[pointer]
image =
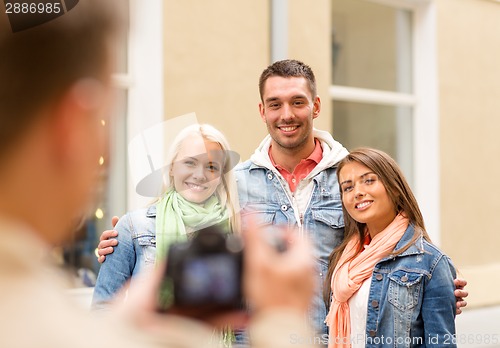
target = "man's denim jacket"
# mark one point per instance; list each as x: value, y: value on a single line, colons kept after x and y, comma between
x: 315, y: 208
x: 411, y: 301
x: 136, y: 252
x: 263, y: 199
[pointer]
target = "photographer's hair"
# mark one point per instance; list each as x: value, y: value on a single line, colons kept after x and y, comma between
x: 39, y: 64
x: 399, y: 192
x: 288, y: 68
x: 226, y: 191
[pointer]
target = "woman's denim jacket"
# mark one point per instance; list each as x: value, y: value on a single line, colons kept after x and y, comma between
x: 136, y: 251
x: 411, y: 301
x: 264, y: 200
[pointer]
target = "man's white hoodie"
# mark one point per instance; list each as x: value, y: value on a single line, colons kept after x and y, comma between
x: 333, y: 152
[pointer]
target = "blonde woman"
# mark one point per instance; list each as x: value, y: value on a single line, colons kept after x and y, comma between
x: 200, y: 191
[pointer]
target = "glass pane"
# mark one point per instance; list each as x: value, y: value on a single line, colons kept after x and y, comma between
x: 371, y: 46
x: 388, y: 128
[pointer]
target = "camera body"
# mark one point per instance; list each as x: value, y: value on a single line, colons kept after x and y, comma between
x: 204, y: 274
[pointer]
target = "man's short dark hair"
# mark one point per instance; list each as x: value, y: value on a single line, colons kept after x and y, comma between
x: 288, y: 68
x: 37, y: 65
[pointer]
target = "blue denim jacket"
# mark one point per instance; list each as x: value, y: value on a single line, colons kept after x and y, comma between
x: 136, y: 251
x: 315, y: 208
x: 411, y: 301
x: 263, y: 198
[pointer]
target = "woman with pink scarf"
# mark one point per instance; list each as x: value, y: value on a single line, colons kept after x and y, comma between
x: 390, y: 286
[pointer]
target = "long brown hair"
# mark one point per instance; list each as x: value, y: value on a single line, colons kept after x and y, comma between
x: 399, y: 193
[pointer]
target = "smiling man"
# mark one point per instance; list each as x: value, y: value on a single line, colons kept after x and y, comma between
x: 288, y: 111
x: 291, y: 177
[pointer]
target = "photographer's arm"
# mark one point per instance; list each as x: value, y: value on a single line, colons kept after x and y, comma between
x: 279, y: 287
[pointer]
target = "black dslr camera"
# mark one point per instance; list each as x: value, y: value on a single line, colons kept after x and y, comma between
x: 203, y: 275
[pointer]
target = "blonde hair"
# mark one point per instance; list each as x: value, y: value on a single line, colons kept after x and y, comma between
x: 226, y: 190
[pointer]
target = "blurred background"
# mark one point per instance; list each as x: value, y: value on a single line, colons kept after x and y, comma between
x: 419, y: 79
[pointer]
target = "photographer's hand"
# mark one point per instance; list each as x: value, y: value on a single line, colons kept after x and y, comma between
x: 279, y: 285
x: 138, y: 313
x: 278, y: 279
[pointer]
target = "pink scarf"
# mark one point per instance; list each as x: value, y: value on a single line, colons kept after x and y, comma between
x: 348, y: 277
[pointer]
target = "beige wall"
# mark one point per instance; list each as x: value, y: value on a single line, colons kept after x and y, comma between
x: 214, y: 53
x: 469, y: 87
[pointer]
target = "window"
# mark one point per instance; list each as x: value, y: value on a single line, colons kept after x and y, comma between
x: 384, y: 88
x: 371, y: 53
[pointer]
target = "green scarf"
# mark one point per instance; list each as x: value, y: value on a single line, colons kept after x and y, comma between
x: 174, y: 213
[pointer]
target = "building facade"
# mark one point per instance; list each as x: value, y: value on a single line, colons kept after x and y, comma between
x: 417, y: 78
